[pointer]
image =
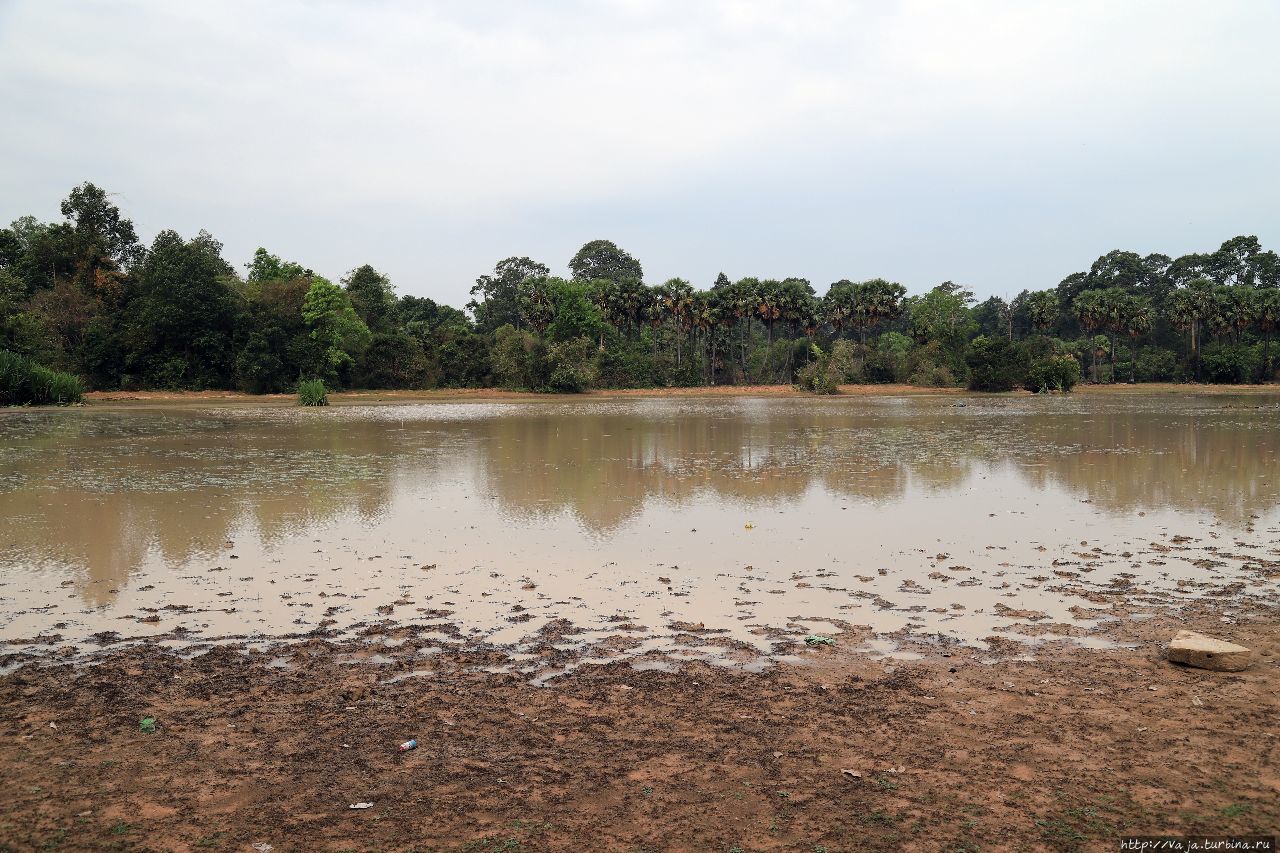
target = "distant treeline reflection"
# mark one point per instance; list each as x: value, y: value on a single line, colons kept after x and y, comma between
x: 104, y: 492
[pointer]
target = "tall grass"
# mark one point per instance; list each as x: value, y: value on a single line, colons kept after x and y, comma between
x: 25, y: 383
x: 311, y: 392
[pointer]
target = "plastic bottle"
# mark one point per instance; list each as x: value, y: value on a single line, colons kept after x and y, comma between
x: 408, y: 745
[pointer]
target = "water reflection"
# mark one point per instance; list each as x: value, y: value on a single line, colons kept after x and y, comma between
x: 97, y: 496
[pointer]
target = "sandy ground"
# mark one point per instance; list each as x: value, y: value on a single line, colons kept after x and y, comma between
x: 1069, y: 751
x: 463, y: 394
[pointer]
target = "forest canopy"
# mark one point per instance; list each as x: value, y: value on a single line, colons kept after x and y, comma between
x: 84, y: 296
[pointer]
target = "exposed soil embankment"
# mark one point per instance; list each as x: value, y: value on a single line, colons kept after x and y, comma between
x: 456, y: 394
x: 1068, y: 751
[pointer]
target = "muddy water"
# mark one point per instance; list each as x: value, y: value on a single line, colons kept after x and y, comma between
x: 716, y: 529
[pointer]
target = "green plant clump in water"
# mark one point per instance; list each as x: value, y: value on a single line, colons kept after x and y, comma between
x: 25, y: 383
x: 311, y: 392
x: 818, y: 640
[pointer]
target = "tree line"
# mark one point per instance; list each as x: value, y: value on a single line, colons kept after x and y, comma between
x: 85, y: 297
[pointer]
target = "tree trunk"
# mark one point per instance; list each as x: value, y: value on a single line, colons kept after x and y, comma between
x: 1195, y: 347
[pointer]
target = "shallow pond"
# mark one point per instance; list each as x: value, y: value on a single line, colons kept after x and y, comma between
x: 705, y: 528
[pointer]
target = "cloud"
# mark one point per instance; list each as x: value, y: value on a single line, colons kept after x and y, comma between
x: 325, y: 124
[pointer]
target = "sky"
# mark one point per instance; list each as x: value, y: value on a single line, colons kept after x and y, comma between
x: 1001, y: 145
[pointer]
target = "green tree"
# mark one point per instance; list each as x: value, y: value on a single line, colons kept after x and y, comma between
x: 268, y: 267
x: 1091, y: 312
x: 1268, y: 318
x: 1188, y: 308
x: 183, y: 323
x: 1042, y: 306
x: 941, y: 315
x: 862, y: 305
x: 675, y: 302
x: 499, y: 299
x: 335, y: 326
x: 575, y: 314
x: 603, y: 259
x: 995, y: 364
x: 373, y: 297
x: 994, y: 317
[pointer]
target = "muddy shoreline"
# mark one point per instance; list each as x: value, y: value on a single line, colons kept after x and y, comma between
x: 360, y: 398
x: 594, y: 619
x: 1068, y: 750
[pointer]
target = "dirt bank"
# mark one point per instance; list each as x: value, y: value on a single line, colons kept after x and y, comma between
x: 463, y: 394
x: 1068, y: 751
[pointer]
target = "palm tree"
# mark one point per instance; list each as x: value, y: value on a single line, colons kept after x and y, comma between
x: 675, y: 300
x: 743, y: 299
x: 1042, y: 307
x: 864, y: 304
x: 1091, y: 313
x: 837, y: 304
x: 1234, y: 309
x: 536, y: 303
x: 1137, y: 322
x: 1267, y: 316
x: 703, y: 318
x: 768, y: 304
x: 1188, y: 307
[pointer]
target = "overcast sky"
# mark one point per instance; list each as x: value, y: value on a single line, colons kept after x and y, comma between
x: 997, y: 144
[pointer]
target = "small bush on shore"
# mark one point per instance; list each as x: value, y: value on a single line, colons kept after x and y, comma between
x: 311, y: 392
x: 25, y: 383
x: 995, y: 364
x: 825, y: 372
x: 1055, y: 373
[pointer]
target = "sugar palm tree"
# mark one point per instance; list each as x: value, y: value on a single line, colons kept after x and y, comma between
x: 1091, y: 311
x: 674, y: 299
x: 1267, y: 316
x: 1042, y: 308
x: 1188, y: 308
x: 1136, y: 322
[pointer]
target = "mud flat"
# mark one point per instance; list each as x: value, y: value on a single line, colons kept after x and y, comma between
x: 1068, y: 748
x: 593, y: 615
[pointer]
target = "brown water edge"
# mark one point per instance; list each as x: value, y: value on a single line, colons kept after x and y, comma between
x: 1067, y: 751
x: 695, y: 529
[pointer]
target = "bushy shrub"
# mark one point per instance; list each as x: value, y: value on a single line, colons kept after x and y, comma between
x: 890, y: 361
x: 573, y: 365
x: 818, y: 376
x: 1229, y: 364
x: 519, y: 359
x: 878, y: 368
x: 392, y: 360
x: 25, y: 383
x: 1154, y: 364
x: 935, y: 366
x: 311, y: 392
x: 1055, y: 373
x: 628, y: 364
x: 687, y: 375
x: 930, y: 375
x: 995, y: 364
